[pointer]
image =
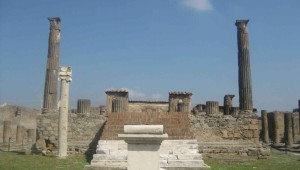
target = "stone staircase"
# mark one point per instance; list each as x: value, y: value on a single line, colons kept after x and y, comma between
x: 174, y: 154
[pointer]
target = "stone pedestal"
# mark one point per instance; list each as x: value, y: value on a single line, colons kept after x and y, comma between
x: 6, y: 131
x: 265, y: 127
x: 288, y: 129
x: 65, y: 76
x: 245, y: 84
x: 212, y: 107
x: 20, y: 134
x: 143, y: 146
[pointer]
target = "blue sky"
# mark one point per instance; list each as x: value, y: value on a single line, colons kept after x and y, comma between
x: 151, y: 48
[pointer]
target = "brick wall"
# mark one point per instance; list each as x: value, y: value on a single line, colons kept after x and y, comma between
x: 176, y: 124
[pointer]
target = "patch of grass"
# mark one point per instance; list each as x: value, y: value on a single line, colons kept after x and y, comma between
x: 17, y: 161
x: 277, y: 161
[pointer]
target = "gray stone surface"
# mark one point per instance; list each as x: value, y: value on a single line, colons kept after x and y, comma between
x: 244, y: 71
x: 265, y: 127
x: 212, y: 107
x: 51, y: 80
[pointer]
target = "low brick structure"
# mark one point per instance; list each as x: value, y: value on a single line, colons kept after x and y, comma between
x: 176, y: 124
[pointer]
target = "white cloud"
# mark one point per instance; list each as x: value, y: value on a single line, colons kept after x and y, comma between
x: 139, y: 96
x: 198, y: 5
x: 134, y: 95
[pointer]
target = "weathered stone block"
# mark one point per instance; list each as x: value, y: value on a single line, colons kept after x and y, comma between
x: 185, y: 162
x: 190, y: 157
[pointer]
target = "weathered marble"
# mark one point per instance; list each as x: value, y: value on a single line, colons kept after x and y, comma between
x: 143, y: 129
x: 65, y: 76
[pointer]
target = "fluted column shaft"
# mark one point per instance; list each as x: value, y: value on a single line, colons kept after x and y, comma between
x: 51, y: 80
x: 212, y: 107
x: 265, y: 126
x: 244, y: 72
x: 83, y: 106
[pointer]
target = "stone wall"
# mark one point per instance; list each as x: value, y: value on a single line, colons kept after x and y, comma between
x: 19, y: 116
x: 83, y: 130
x: 225, y: 127
x: 149, y: 107
x: 176, y: 124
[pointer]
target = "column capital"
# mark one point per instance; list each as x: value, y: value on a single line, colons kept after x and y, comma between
x: 54, y: 23
x: 242, y: 25
x: 65, y: 73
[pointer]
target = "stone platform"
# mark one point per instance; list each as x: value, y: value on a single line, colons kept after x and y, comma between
x: 174, y: 154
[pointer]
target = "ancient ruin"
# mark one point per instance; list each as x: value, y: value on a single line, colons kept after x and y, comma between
x: 166, y: 134
x: 245, y: 85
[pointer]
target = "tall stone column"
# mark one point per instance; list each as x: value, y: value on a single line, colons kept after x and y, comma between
x: 6, y: 131
x: 265, y: 126
x: 51, y: 81
x: 65, y: 76
x: 212, y: 107
x: 276, y: 128
x: 83, y: 106
x: 20, y: 134
x: 245, y: 85
x: 288, y: 128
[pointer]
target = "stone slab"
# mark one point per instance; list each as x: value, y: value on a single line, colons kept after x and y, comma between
x: 143, y: 129
x: 143, y: 138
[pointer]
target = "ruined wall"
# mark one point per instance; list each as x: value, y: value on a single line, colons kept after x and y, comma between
x: 176, y: 124
x: 18, y: 115
x: 224, y: 127
x: 83, y: 130
x: 149, y: 107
